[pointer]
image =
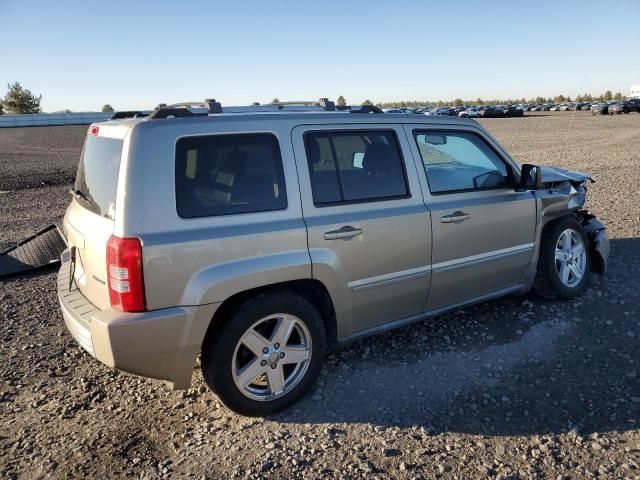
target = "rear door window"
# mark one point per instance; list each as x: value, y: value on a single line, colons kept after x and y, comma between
x: 97, y: 178
x: 229, y: 174
x: 355, y: 166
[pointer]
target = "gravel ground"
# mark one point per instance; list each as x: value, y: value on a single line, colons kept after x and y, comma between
x: 520, y: 387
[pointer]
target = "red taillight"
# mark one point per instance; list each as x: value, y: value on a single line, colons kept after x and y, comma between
x: 93, y: 129
x: 124, y: 273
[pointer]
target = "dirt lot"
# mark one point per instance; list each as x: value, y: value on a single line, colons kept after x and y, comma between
x: 517, y: 388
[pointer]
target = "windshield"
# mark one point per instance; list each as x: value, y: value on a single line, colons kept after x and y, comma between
x: 97, y: 178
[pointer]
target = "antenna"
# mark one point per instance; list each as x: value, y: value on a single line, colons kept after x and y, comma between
x: 566, y: 135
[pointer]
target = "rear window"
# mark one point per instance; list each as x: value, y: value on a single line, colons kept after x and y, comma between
x: 229, y: 174
x: 97, y: 178
x: 355, y: 166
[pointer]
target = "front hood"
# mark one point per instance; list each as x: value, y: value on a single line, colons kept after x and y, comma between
x: 563, y: 190
x: 556, y: 175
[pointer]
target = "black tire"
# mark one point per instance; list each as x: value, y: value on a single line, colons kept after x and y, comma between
x: 548, y: 282
x: 221, y: 340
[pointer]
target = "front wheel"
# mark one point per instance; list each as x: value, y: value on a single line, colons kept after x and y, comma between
x: 565, y: 261
x: 266, y: 355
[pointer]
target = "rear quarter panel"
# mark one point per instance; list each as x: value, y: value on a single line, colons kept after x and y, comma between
x: 204, y: 260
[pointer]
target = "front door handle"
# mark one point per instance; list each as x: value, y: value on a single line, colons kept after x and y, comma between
x: 455, y: 217
x: 343, y: 233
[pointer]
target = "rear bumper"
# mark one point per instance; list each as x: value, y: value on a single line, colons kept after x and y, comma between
x: 161, y: 344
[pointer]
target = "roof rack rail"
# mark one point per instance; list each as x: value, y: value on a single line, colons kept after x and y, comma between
x: 211, y: 106
x: 323, y: 103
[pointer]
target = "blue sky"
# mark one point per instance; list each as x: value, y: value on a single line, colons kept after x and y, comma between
x: 135, y: 54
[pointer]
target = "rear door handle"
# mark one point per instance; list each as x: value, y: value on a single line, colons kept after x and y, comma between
x: 343, y: 233
x: 455, y: 217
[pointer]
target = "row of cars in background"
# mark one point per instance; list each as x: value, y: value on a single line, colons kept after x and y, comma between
x: 498, y: 111
x: 486, y: 111
x: 622, y: 106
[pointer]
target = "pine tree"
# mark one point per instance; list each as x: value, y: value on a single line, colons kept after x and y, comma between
x: 20, y: 100
x: 107, y: 108
x: 341, y: 102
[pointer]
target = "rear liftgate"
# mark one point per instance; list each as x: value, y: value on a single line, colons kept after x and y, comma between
x: 38, y: 251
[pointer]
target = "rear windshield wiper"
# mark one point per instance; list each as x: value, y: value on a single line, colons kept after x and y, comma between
x: 80, y: 194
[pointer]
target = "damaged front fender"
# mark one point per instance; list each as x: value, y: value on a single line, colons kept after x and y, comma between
x: 564, y: 193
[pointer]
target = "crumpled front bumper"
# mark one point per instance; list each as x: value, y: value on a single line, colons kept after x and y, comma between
x: 599, y: 242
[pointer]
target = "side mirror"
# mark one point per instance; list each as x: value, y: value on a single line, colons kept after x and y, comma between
x: 530, y: 178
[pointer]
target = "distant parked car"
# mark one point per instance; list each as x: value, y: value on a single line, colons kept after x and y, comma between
x: 601, y: 108
x: 393, y: 110
x: 565, y: 107
x: 514, y: 111
x: 470, y: 113
x: 445, y: 111
x: 625, y: 106
x: 492, y: 112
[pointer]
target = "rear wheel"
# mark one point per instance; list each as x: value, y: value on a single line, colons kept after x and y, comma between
x: 565, y: 261
x: 266, y: 355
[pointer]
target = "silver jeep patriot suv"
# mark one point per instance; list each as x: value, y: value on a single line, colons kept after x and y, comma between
x: 259, y: 236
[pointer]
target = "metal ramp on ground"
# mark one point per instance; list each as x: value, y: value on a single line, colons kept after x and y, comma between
x: 38, y: 251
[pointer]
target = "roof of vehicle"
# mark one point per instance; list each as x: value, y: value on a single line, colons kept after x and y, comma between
x: 295, y: 117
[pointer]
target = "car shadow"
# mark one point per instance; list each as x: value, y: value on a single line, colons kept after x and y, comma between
x: 519, y: 365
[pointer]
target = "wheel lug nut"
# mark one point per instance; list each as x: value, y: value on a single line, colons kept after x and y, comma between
x: 276, y: 346
x: 265, y: 350
x: 273, y: 366
x: 263, y: 363
x: 281, y: 354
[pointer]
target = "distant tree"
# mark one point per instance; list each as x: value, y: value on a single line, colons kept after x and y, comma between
x: 341, y: 101
x: 66, y: 110
x: 21, y: 100
x: 617, y: 96
x: 588, y: 98
x: 107, y: 108
x: 607, y: 96
x: 367, y: 102
x: 458, y: 102
x: 479, y: 101
x: 1, y: 109
x: 568, y: 99
x: 558, y: 98
x: 275, y: 100
x: 579, y: 98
